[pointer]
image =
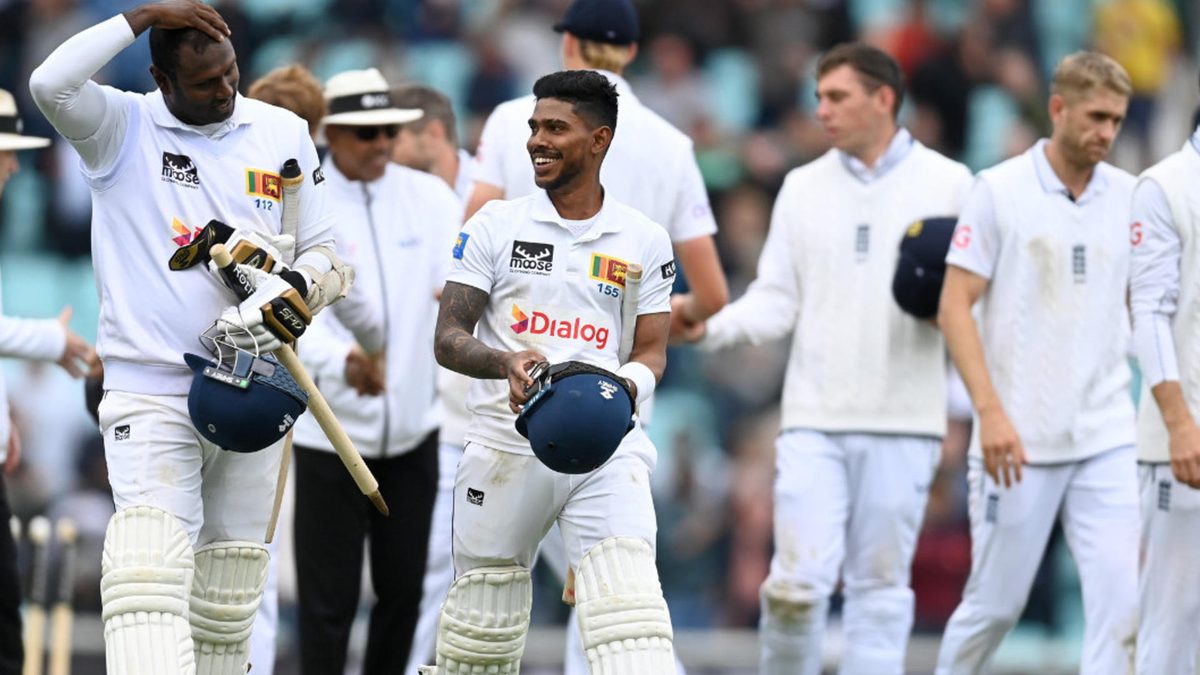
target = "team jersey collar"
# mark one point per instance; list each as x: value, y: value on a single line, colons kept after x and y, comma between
x: 164, y: 118
x: 1051, y: 183
x: 543, y: 211
x: 902, y: 144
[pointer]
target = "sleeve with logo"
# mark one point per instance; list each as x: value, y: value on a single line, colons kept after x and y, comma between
x: 1154, y: 282
x: 473, y: 258
x: 692, y: 215
x: 658, y: 275
x: 770, y: 305
x: 976, y: 243
x: 93, y: 118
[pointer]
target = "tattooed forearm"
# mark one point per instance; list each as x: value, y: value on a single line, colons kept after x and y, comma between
x: 455, y: 345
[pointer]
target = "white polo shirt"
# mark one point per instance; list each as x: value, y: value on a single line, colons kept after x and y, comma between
x: 554, y: 293
x: 650, y: 165
x: 1053, y: 320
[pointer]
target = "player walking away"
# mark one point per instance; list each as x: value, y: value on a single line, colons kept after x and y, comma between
x: 161, y: 165
x: 864, y: 400
x: 1163, y: 290
x: 394, y: 232
x: 47, y: 340
x: 292, y: 88
x: 430, y: 144
x: 1042, y: 243
x: 541, y: 278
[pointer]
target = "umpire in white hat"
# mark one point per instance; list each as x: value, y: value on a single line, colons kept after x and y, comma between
x: 395, y: 228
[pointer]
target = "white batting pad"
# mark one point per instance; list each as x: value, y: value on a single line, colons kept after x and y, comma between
x: 484, y: 622
x: 229, y: 583
x: 147, y: 576
x: 623, y: 617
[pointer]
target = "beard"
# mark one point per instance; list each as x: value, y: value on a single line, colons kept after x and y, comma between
x: 565, y: 176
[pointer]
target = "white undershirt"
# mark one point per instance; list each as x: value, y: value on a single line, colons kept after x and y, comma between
x: 579, y: 228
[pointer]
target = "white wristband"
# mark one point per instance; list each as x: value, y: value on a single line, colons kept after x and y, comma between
x: 642, y: 378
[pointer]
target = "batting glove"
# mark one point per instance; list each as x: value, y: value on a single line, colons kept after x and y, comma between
x: 274, y: 315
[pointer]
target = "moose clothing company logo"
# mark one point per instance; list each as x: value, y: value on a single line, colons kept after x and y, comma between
x: 180, y: 170
x: 537, y: 325
x: 531, y: 257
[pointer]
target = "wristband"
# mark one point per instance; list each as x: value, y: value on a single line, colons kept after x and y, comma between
x: 641, y: 377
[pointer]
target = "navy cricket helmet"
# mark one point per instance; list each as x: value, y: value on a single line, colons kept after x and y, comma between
x: 245, y: 403
x: 917, y: 284
x: 577, y: 417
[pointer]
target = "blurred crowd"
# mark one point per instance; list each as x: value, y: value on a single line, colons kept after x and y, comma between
x: 737, y: 76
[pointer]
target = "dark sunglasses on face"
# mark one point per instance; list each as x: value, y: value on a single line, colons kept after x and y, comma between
x: 371, y: 133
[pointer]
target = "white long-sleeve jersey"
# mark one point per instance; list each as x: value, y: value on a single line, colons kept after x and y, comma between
x: 1163, y: 294
x: 156, y: 182
x: 857, y: 362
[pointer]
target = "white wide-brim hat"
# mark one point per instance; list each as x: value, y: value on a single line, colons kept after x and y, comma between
x: 363, y: 98
x: 11, y: 137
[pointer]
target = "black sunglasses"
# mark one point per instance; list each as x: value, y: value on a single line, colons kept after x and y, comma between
x: 370, y: 133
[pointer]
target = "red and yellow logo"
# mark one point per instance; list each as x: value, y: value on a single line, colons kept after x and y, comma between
x: 522, y: 320
x: 183, y: 235
x: 540, y: 324
x: 261, y: 183
x: 609, y: 270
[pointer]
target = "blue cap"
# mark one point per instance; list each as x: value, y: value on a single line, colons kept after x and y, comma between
x: 611, y: 21
x: 246, y: 405
x: 578, y: 417
x: 921, y: 267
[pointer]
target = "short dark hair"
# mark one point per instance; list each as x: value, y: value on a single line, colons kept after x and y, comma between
x: 590, y: 94
x: 874, y: 66
x: 432, y: 102
x: 166, y: 43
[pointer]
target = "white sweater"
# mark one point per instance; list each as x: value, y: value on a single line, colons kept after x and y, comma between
x: 857, y: 363
x: 1165, y: 289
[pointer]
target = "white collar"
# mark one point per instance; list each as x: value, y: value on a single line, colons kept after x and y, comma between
x: 544, y: 211
x: 902, y: 143
x: 1051, y: 183
x: 163, y: 117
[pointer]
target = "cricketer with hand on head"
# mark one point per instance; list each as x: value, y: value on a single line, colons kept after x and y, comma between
x: 190, y: 515
x: 542, y: 278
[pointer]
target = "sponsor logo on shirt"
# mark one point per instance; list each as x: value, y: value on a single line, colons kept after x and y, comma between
x: 1079, y: 263
x: 668, y: 270
x: 318, y: 176
x: 261, y: 183
x: 183, y: 235
x: 1164, y: 495
x: 459, y: 245
x: 962, y: 236
x: 539, y: 325
x: 609, y: 270
x: 121, y: 433
x: 862, y: 242
x: 180, y: 170
x: 531, y: 257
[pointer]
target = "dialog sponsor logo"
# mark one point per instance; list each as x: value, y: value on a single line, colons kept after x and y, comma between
x: 550, y: 323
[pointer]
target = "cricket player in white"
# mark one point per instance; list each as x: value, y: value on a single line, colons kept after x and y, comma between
x: 190, y: 516
x: 864, y: 400
x: 1163, y: 288
x: 541, y: 278
x: 650, y: 166
x: 1043, y: 244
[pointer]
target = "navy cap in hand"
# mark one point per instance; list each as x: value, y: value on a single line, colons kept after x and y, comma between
x: 611, y: 21
x: 917, y: 284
